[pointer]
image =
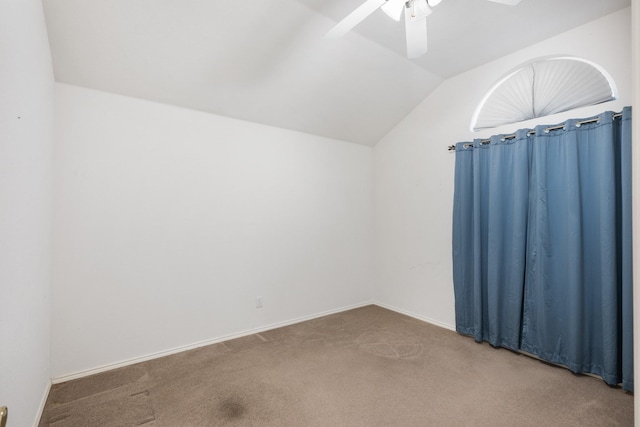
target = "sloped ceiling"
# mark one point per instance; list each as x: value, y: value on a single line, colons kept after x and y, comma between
x: 266, y: 61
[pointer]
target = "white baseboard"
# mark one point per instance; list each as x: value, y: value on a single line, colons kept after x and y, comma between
x: 128, y: 362
x: 45, y: 396
x: 416, y: 316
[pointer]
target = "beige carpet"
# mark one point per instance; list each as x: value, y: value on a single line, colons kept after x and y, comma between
x: 364, y: 367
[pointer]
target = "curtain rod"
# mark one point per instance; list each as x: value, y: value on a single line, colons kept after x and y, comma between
x: 533, y: 132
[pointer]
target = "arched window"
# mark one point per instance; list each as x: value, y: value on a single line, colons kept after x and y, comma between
x: 543, y: 87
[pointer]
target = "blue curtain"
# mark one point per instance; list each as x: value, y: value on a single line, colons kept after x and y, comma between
x: 542, y: 244
x: 489, y: 236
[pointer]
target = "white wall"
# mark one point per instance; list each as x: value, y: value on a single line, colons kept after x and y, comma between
x: 26, y: 120
x: 413, y: 172
x: 169, y: 222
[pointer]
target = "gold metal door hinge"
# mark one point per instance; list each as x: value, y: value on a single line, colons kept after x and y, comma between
x: 4, y: 413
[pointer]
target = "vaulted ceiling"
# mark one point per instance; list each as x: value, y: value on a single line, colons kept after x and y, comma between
x: 266, y: 60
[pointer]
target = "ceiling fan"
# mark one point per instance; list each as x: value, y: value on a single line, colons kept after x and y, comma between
x: 415, y: 18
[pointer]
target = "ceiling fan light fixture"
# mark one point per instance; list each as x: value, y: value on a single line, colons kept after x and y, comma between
x: 419, y: 10
x: 433, y: 3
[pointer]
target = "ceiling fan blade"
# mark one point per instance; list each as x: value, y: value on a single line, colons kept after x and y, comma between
x: 507, y: 2
x: 354, y: 18
x: 394, y: 8
x: 416, y: 35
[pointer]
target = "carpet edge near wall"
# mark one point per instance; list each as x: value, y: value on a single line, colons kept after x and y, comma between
x: 132, y: 361
x: 416, y: 316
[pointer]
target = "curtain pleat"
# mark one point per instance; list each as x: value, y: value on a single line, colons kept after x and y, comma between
x: 490, y: 206
x: 464, y: 260
x: 542, y: 245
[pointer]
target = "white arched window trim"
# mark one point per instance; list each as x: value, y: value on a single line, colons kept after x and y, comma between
x: 523, y: 90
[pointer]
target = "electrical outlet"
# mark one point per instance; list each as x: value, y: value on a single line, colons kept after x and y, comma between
x: 258, y: 302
